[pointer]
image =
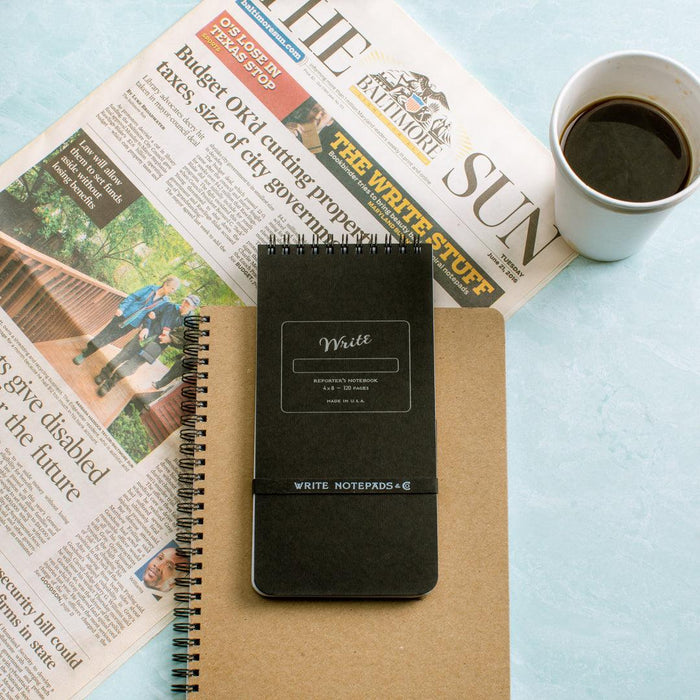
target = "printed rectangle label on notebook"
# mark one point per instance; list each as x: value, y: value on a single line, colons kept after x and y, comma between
x: 346, y: 366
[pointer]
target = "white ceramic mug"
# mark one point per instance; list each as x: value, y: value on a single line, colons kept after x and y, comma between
x: 598, y: 226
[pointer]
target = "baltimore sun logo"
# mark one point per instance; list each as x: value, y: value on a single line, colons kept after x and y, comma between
x: 411, y: 105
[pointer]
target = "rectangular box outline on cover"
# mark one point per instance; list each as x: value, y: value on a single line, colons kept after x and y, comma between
x: 392, y: 320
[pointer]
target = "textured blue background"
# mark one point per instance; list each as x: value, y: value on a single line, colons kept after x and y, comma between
x: 603, y: 386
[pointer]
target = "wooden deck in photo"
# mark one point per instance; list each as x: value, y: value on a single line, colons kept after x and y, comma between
x: 80, y: 378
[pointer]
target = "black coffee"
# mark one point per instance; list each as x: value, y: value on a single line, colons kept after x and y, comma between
x: 628, y: 149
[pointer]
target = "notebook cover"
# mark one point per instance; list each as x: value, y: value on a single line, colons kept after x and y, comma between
x: 453, y: 643
x: 345, y: 490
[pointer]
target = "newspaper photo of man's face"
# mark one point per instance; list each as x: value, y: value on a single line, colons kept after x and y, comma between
x: 306, y: 123
x: 159, y: 573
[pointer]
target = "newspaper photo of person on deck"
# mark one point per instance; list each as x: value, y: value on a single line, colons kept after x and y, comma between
x: 148, y: 345
x: 93, y: 298
x: 130, y: 313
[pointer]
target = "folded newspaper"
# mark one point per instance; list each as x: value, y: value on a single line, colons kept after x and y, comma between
x: 248, y: 118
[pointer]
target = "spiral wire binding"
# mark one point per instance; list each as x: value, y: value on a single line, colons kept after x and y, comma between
x: 190, y: 487
x: 330, y: 247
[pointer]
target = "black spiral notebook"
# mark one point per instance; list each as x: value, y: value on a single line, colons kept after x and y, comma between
x: 344, y: 484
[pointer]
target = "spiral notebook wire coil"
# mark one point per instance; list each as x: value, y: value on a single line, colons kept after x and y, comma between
x: 189, y: 516
x: 344, y: 247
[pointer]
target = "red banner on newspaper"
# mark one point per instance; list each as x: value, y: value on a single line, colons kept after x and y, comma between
x: 251, y: 64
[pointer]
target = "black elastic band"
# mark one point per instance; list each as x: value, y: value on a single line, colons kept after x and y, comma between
x: 339, y: 487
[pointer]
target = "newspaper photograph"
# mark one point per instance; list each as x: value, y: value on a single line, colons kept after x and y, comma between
x: 247, y: 119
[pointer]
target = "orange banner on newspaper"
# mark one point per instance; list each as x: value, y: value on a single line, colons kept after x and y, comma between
x: 252, y: 65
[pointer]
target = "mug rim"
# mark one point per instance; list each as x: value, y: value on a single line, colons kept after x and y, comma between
x: 590, y: 192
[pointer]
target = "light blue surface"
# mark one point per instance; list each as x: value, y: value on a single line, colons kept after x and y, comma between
x: 603, y: 386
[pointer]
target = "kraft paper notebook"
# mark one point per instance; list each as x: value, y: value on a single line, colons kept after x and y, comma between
x: 452, y: 643
x: 345, y: 492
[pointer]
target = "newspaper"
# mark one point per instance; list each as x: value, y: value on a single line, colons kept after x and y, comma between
x: 247, y: 119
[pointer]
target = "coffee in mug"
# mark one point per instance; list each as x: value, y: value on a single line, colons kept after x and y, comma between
x: 628, y: 149
x: 625, y: 136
